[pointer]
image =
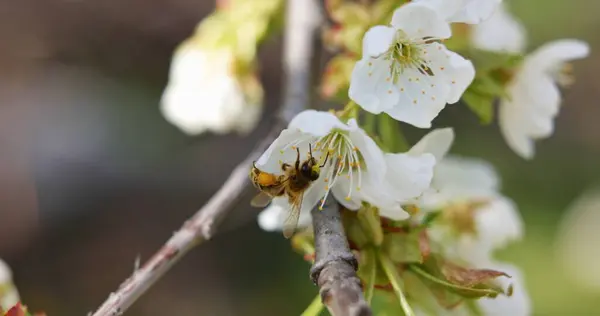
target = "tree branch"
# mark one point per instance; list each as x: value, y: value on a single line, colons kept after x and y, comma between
x: 301, y: 23
x: 334, y: 270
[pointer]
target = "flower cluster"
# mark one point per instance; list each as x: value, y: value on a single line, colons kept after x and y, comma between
x: 417, y: 215
x: 9, y: 296
x: 213, y: 84
x: 414, y: 215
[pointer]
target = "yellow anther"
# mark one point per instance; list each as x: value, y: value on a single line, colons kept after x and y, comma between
x: 415, y: 101
x: 347, y: 198
x: 422, y: 91
x: 326, y: 180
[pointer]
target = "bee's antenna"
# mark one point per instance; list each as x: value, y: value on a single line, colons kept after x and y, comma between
x: 324, y: 162
x: 310, y: 149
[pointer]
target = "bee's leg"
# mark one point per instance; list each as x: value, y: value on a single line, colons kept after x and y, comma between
x: 297, y: 158
x: 285, y: 166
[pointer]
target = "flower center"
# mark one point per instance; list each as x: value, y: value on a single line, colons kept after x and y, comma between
x: 344, y: 159
x: 461, y: 215
x: 564, y: 75
x: 405, y: 54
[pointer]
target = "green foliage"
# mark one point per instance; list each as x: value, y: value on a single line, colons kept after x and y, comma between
x: 239, y: 27
x: 403, y: 247
x: 494, y: 72
x: 391, y: 136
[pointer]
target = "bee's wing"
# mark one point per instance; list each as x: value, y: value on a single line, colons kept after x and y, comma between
x: 290, y: 223
x: 262, y: 199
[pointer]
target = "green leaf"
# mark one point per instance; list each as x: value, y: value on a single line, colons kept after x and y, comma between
x: 480, y: 104
x: 486, y: 61
x: 391, y: 135
x: 430, y: 218
x: 350, y: 14
x: 392, y: 273
x: 369, y: 219
x: 443, y: 276
x: 370, y: 270
x: 403, y: 247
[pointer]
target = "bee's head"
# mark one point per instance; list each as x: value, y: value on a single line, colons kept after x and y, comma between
x: 310, y: 169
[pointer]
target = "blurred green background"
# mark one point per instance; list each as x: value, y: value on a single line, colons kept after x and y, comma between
x: 92, y: 176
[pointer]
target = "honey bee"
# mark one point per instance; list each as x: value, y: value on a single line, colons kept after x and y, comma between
x: 294, y: 181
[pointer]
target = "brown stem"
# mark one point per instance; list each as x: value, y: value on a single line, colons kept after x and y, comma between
x: 334, y: 270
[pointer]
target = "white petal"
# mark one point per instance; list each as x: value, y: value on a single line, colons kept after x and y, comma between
x: 519, y: 304
x: 530, y: 112
x: 474, y: 11
x: 500, y: 33
x: 419, y: 20
x: 499, y: 223
x: 436, y: 142
x: 377, y: 40
x: 317, y: 123
x: 369, y: 87
x: 269, y: 161
x: 384, y: 196
x: 202, y: 94
x: 5, y: 273
x: 396, y: 213
x: 553, y: 54
x: 340, y: 191
x: 420, y: 101
x: 9, y: 296
x: 409, y: 175
x: 272, y: 217
x: 574, y: 249
x: 313, y: 196
x: 512, y: 129
x: 371, y: 153
x: 459, y: 178
x: 461, y: 74
x: 463, y: 11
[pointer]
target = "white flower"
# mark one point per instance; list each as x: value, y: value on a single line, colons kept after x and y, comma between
x: 404, y: 72
x: 463, y: 11
x: 518, y: 304
x: 500, y: 33
x: 469, y: 186
x: 204, y: 95
x: 273, y: 216
x: 8, y: 293
x: 575, y: 248
x: 528, y: 114
x: 355, y: 171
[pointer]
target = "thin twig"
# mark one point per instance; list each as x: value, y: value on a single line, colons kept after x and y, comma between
x: 301, y: 22
x: 334, y: 270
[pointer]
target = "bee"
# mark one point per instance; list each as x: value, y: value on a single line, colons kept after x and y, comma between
x: 294, y: 181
